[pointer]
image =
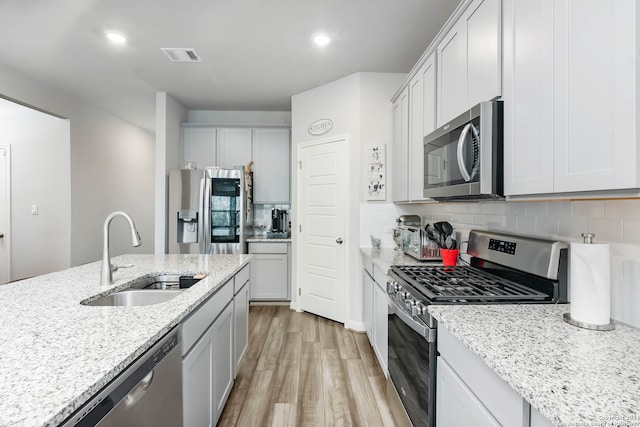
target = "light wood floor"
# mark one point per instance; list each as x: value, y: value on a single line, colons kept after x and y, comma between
x: 304, y: 370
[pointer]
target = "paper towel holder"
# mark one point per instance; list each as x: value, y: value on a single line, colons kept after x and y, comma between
x: 588, y: 239
x: 606, y: 327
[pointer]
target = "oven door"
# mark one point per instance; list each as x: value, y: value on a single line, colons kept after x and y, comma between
x: 412, y: 364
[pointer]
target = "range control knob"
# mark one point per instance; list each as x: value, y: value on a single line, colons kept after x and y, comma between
x: 418, y: 309
x: 392, y: 287
x: 410, y: 303
x: 404, y: 295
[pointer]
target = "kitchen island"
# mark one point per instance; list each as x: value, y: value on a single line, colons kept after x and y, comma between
x: 57, y: 353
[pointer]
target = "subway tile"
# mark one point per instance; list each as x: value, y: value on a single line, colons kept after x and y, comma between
x: 572, y: 228
x: 559, y: 209
x: 631, y: 231
x: 525, y: 224
x: 606, y: 230
x: 547, y: 225
x: 536, y: 209
x: 588, y: 209
x: 517, y: 208
x: 622, y: 209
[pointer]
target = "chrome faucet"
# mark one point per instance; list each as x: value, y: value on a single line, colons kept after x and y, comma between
x: 107, y: 268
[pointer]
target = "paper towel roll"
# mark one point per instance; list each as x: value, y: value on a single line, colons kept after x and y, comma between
x: 590, y: 283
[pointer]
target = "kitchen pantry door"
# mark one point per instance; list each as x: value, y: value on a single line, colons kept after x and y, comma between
x: 5, y: 199
x: 322, y: 205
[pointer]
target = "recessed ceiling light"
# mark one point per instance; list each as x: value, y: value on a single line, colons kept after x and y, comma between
x: 115, y: 37
x: 321, y: 39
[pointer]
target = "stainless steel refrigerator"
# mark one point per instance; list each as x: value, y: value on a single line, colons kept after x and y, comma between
x: 210, y: 211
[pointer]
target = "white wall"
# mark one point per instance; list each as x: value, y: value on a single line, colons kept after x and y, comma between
x: 359, y: 107
x: 243, y: 118
x: 40, y: 175
x: 111, y: 168
x: 169, y: 115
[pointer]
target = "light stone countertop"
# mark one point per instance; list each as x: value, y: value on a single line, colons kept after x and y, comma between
x: 572, y: 376
x: 56, y: 353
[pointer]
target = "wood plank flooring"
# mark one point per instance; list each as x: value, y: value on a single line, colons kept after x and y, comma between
x: 304, y: 370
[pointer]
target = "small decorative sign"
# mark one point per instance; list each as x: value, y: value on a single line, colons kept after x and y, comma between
x: 376, y: 173
x: 320, y: 127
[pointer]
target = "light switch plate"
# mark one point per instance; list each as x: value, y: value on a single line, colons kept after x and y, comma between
x: 34, y: 209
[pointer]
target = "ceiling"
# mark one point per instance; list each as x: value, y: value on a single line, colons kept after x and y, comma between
x: 255, y: 54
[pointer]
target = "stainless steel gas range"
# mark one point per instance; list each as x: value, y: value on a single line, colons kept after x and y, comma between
x: 503, y: 269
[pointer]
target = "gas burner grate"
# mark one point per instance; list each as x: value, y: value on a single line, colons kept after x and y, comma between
x: 464, y: 284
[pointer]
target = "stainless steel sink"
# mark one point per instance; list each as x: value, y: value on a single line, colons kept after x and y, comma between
x: 135, y: 297
x: 148, y: 290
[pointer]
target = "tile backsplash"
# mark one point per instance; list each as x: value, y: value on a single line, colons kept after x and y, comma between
x: 616, y: 222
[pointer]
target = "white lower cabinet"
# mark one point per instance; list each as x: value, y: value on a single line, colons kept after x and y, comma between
x: 381, y: 326
x: 214, y: 337
x: 241, y: 323
x: 367, y: 303
x: 456, y: 404
x: 269, y: 271
x: 470, y: 393
x: 207, y: 372
x: 376, y: 313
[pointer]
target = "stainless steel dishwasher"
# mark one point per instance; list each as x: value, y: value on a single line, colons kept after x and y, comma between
x: 146, y: 394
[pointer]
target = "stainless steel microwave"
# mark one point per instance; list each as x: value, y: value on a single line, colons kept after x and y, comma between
x: 463, y: 160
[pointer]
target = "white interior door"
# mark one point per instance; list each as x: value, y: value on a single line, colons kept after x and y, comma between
x: 322, y: 204
x: 5, y: 199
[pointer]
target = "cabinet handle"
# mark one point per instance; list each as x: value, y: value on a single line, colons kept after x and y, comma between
x: 339, y: 240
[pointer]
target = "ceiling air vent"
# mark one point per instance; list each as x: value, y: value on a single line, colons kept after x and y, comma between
x: 181, y: 54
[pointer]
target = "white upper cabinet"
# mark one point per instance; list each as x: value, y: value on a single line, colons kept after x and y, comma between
x: 233, y: 147
x: 400, y: 190
x: 199, y: 146
x: 272, y: 166
x: 484, y: 51
x: 269, y: 148
x: 570, y: 95
x: 469, y: 60
x: 422, y: 121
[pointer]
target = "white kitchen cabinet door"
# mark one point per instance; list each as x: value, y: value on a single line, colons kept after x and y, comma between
x: 484, y: 57
x: 452, y: 73
x: 400, y: 189
x: 197, y: 392
x: 456, y: 405
x: 269, y: 271
x: 199, y: 146
x: 367, y: 304
x: 233, y: 147
x: 422, y: 97
x: 222, y: 362
x: 240, y: 324
x: 570, y: 119
x: 381, y: 326
x: 528, y: 97
x: 272, y: 166
x: 595, y: 104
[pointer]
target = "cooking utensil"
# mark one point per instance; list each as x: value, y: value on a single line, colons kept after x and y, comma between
x: 446, y: 228
x: 449, y: 242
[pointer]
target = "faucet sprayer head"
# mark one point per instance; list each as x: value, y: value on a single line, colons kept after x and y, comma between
x: 135, y: 237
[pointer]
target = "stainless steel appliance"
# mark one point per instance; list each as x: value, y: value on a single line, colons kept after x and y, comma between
x: 147, y: 394
x: 503, y: 269
x: 415, y: 243
x: 463, y: 160
x: 210, y: 211
x: 279, y: 221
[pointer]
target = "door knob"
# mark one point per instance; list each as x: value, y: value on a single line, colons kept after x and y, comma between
x: 1, y: 235
x: 339, y: 240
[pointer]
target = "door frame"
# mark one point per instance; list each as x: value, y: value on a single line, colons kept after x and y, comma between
x: 299, y: 283
x: 6, y: 151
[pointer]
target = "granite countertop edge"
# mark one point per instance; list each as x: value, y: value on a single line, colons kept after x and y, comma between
x: 268, y: 240
x: 58, y: 353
